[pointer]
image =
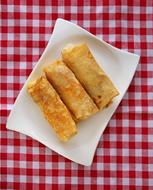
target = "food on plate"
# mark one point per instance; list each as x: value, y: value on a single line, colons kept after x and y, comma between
x: 70, y: 90
x: 83, y: 64
x: 53, y: 108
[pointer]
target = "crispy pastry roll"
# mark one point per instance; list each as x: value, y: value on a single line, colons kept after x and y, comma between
x: 81, y: 61
x: 53, y: 108
x: 70, y: 90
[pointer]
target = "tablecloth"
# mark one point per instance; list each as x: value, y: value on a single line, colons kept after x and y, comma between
x: 124, y: 157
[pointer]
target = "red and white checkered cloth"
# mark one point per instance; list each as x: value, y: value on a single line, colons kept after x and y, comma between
x: 124, y: 157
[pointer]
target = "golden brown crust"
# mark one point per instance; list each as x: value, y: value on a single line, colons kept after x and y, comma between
x: 81, y: 61
x: 53, y: 108
x: 71, y: 91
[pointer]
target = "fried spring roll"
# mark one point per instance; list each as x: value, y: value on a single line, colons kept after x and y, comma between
x: 70, y: 90
x: 53, y: 108
x: 81, y: 61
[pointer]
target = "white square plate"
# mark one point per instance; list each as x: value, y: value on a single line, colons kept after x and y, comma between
x: 27, y: 118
